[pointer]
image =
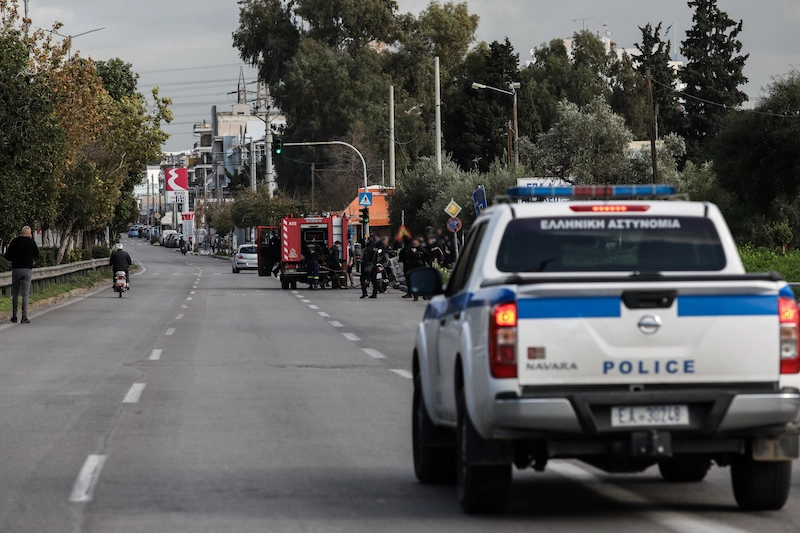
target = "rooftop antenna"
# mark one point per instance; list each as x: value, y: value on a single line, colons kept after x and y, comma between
x: 583, y: 21
x: 242, y: 92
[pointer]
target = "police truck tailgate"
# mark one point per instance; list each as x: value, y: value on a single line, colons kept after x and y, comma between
x: 662, y: 332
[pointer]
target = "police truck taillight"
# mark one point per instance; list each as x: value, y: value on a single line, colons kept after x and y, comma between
x: 790, y: 335
x: 503, y: 341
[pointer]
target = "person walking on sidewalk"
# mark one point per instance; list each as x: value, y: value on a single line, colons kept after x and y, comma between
x: 21, y: 252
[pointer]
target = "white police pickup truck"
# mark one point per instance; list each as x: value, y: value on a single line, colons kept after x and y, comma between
x: 620, y: 330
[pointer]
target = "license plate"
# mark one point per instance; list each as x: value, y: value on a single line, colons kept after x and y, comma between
x: 650, y: 415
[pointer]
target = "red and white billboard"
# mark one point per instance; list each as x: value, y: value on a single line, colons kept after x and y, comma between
x: 177, y: 179
x: 176, y: 185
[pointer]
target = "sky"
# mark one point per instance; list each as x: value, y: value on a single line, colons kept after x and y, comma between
x: 184, y: 46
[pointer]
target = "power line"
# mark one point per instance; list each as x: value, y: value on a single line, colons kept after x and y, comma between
x: 724, y: 106
x: 182, y: 69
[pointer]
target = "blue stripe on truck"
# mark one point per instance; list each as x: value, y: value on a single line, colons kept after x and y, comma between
x: 600, y: 307
x: 728, y: 305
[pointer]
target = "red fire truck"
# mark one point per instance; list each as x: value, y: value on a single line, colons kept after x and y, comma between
x: 295, y: 234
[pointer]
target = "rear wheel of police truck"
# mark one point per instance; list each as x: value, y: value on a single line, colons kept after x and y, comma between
x: 482, y: 488
x: 434, y: 449
x: 760, y: 485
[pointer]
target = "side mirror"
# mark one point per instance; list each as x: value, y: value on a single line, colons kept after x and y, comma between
x: 425, y: 282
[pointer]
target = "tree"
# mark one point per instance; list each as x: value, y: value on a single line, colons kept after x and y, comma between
x: 654, y: 54
x: 257, y: 208
x: 628, y: 96
x: 757, y: 156
x: 713, y: 73
x: 118, y: 78
x: 588, y: 146
x: 32, y: 142
x: 267, y: 37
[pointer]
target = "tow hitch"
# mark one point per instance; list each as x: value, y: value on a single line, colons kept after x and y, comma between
x: 651, y: 444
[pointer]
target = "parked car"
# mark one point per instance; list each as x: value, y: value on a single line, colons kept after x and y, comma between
x: 133, y: 232
x: 246, y: 258
x: 165, y: 236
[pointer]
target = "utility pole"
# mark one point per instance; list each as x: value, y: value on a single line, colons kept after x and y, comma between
x: 653, y: 152
x: 252, y: 164
x: 510, y: 145
x: 391, y: 136
x: 438, y: 115
x: 313, y: 181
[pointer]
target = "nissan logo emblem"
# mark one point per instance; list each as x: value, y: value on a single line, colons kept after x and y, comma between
x: 649, y: 324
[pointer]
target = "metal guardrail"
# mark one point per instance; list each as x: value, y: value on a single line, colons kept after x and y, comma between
x: 46, y: 276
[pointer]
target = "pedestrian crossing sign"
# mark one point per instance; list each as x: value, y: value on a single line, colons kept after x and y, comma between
x: 365, y: 199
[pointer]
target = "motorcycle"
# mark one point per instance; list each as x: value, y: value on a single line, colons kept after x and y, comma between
x: 184, y: 248
x: 381, y: 278
x: 120, y: 282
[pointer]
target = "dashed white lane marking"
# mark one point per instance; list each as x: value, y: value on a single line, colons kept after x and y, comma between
x: 194, y: 286
x: 375, y: 354
x: 352, y: 337
x: 192, y: 292
x: 184, y: 306
x: 169, y: 331
x: 675, y: 521
x: 313, y: 307
x: 189, y: 298
x: 305, y: 301
x: 335, y: 323
x: 402, y: 373
x: 179, y: 317
x: 83, y: 489
x: 323, y: 314
x: 155, y: 355
x: 294, y: 292
x: 135, y: 393
x: 299, y: 296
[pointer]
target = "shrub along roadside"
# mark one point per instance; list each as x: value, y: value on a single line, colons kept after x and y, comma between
x: 764, y: 260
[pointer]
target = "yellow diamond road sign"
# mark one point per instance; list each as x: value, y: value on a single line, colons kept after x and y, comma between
x: 452, y: 209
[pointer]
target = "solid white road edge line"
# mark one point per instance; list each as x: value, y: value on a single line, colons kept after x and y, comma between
x: 83, y: 489
x: 135, y: 393
x: 676, y: 521
x: 375, y: 354
x: 352, y: 337
x: 169, y: 331
x: 402, y: 373
x: 335, y: 323
x: 155, y: 355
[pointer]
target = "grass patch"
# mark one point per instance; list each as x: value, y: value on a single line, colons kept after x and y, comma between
x: 89, y: 280
x: 765, y: 260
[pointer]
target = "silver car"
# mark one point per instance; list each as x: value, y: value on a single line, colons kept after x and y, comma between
x: 246, y: 258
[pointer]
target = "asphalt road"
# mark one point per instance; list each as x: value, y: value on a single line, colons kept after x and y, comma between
x: 206, y: 401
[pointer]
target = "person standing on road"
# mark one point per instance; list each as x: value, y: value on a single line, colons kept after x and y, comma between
x: 21, y: 252
x: 120, y: 261
x: 312, y: 263
x: 368, y: 271
x: 417, y: 257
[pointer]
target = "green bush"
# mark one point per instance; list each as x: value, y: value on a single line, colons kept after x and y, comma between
x: 100, y: 252
x: 5, y: 264
x: 765, y: 260
x: 86, y: 255
x: 47, y: 257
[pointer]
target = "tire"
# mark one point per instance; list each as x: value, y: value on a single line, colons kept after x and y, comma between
x: 482, y: 489
x: 433, y: 465
x: 686, y: 469
x: 759, y: 485
x: 120, y: 294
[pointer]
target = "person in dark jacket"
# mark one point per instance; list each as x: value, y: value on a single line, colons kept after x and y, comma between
x: 121, y: 261
x: 312, y: 254
x: 21, y: 252
x: 417, y: 257
x: 368, y: 271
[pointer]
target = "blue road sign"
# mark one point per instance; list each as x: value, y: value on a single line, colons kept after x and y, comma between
x: 365, y: 199
x: 479, y: 199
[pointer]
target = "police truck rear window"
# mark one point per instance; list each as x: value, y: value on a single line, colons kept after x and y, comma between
x: 610, y: 244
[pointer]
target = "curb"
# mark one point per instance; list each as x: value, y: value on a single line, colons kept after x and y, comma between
x: 5, y: 316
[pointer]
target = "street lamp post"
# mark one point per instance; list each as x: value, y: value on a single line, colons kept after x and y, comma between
x: 513, y: 93
x: 70, y: 37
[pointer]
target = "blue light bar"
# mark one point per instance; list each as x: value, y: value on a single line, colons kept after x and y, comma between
x: 600, y: 192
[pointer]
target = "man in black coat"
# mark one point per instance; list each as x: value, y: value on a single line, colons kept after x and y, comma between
x: 21, y: 252
x: 121, y: 261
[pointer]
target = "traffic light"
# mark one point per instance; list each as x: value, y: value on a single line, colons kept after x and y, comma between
x: 278, y: 145
x: 365, y: 215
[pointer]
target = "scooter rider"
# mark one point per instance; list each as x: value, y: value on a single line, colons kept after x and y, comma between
x: 121, y: 261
